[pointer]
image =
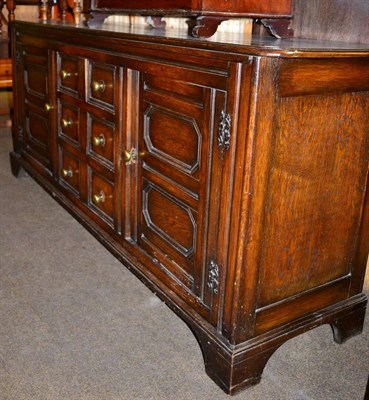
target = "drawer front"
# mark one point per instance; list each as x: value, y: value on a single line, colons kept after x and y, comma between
x: 69, y: 74
x: 101, y: 140
x: 70, y: 172
x: 102, y: 81
x: 69, y: 127
x: 101, y: 196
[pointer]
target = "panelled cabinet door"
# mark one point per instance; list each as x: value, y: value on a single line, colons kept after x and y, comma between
x: 174, y: 184
x: 33, y: 66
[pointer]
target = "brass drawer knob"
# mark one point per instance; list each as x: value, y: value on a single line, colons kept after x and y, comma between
x: 67, y: 172
x: 65, y: 74
x: 48, y: 107
x: 99, y: 141
x: 98, y: 198
x: 98, y: 86
x: 66, y: 122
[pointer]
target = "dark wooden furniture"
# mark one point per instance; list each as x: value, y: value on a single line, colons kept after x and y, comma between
x: 204, y: 15
x: 231, y: 178
x: 6, y: 80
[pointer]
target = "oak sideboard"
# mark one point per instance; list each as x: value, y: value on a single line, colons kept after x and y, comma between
x: 230, y: 174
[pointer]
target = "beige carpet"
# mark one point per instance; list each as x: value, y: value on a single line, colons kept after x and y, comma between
x: 76, y: 325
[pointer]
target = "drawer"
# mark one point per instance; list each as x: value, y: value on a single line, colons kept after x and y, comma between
x: 69, y: 172
x: 101, y: 141
x: 69, y: 73
x: 69, y: 117
x: 101, y: 196
x: 102, y: 81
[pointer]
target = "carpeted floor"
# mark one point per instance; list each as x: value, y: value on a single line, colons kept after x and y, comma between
x: 76, y: 325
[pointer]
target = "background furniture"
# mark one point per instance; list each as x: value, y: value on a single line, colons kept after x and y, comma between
x: 7, y: 9
x: 204, y: 15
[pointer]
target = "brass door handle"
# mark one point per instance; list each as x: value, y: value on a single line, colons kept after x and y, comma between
x: 48, y: 107
x: 98, y: 198
x: 67, y: 172
x: 99, y: 141
x: 65, y: 74
x: 130, y: 156
x: 98, y: 86
x: 66, y: 122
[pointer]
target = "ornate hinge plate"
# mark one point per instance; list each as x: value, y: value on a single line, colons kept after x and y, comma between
x: 18, y: 57
x: 224, y: 130
x: 213, y: 277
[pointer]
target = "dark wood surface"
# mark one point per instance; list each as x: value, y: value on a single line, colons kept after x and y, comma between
x: 230, y: 177
x: 337, y: 20
x: 205, y: 7
x: 204, y: 15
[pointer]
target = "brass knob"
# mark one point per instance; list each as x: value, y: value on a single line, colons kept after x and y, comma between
x: 48, y: 107
x: 67, y: 172
x: 66, y: 122
x: 129, y: 156
x: 65, y: 74
x: 99, y: 141
x: 98, y: 198
x: 98, y: 86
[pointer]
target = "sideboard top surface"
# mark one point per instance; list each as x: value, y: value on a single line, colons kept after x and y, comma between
x: 221, y: 42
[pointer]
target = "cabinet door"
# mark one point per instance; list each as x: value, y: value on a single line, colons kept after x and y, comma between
x: 35, y: 112
x: 173, y: 176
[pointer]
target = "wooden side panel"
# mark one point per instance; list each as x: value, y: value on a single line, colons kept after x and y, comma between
x: 316, y: 189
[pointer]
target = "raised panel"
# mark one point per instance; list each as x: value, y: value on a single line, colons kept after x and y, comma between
x: 101, y: 196
x: 69, y: 127
x: 174, y: 138
x: 170, y: 219
x: 102, y: 85
x: 70, y: 172
x: 37, y: 131
x: 316, y: 187
x: 36, y: 80
x: 36, y: 136
x: 68, y: 74
x: 101, y: 140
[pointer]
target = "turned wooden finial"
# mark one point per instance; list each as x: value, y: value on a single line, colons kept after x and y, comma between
x: 10, y: 5
x: 77, y: 10
x: 43, y: 10
x: 62, y: 4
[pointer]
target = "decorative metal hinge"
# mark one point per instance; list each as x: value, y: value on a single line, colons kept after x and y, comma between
x: 18, y: 57
x: 213, y: 277
x: 20, y: 138
x: 224, y: 130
